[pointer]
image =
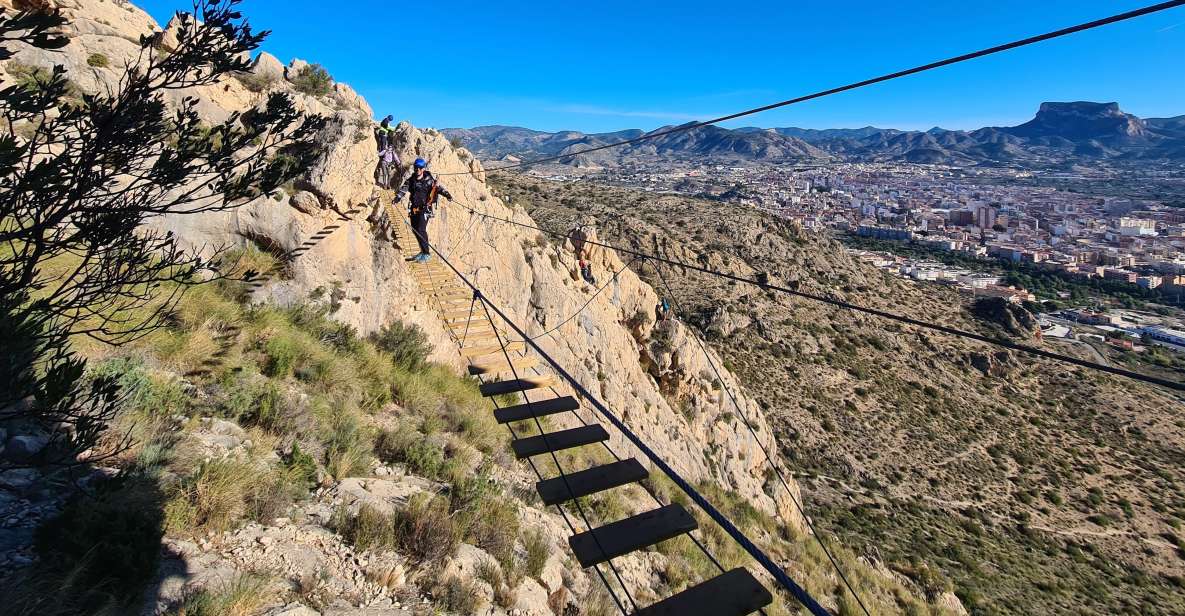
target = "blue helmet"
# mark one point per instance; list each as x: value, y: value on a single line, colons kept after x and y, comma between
x: 421, y: 163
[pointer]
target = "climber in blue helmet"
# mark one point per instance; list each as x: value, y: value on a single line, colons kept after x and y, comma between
x: 425, y: 192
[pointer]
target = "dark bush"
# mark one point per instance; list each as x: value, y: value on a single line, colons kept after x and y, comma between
x: 313, y: 80
x: 407, y: 344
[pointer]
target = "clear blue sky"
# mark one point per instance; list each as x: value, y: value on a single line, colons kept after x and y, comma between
x: 599, y: 66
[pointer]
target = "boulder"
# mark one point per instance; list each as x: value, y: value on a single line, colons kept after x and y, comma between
x: 294, y: 68
x: 531, y: 599
x: 24, y: 447
x: 384, y: 495
x: 306, y: 202
x: 343, y: 176
x: 267, y: 66
x: 18, y: 479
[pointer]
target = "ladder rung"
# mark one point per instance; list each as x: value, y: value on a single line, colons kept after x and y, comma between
x: 540, y: 408
x: 528, y: 383
x: 491, y: 349
x: 735, y: 593
x: 630, y: 534
x: 590, y: 481
x: 461, y: 314
x: 476, y: 327
x: 558, y: 441
x: 500, y: 365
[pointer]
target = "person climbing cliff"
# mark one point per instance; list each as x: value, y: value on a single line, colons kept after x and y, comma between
x: 389, y: 164
x: 423, y: 191
x: 579, y: 237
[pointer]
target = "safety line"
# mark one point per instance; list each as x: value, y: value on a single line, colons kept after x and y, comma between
x: 1148, y: 10
x: 707, y: 507
x: 554, y: 456
x: 587, y: 303
x: 768, y: 460
x: 501, y: 342
x: 1015, y: 346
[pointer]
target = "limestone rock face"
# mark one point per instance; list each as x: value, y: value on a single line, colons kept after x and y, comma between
x: 658, y: 380
x: 267, y: 66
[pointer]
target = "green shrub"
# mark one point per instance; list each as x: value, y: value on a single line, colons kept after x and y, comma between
x: 243, y: 595
x: 222, y: 493
x: 347, y: 445
x: 369, y: 529
x: 412, y: 449
x: 538, y: 549
x: 282, y: 353
x: 255, y: 83
x: 106, y: 545
x: 313, y: 80
x: 98, y: 60
x: 302, y: 466
x: 457, y: 596
x: 407, y: 344
x: 425, y: 530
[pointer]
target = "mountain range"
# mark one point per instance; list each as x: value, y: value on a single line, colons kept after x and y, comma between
x: 1061, y: 133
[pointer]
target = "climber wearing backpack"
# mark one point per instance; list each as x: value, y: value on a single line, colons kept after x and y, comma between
x: 389, y: 163
x: 423, y: 191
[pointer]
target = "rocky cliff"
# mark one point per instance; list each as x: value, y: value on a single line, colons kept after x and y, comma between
x: 655, y: 376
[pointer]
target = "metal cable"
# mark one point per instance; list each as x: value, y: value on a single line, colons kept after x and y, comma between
x: 1001, y: 342
x: 1098, y: 23
x: 768, y: 460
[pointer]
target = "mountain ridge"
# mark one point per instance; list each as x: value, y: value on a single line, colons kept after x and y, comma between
x: 1060, y: 133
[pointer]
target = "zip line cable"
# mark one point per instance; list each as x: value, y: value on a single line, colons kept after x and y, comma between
x: 768, y: 460
x: 1001, y: 342
x: 1090, y: 25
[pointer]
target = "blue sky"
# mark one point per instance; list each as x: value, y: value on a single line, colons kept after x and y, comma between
x: 613, y: 64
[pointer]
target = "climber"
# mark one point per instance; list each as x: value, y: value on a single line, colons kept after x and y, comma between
x: 424, y: 191
x: 389, y: 164
x: 579, y: 238
x: 662, y: 311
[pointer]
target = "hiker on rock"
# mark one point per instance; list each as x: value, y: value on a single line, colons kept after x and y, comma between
x: 424, y: 191
x: 579, y: 237
x: 389, y: 163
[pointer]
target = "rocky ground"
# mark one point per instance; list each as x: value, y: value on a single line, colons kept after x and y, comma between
x: 1017, y: 482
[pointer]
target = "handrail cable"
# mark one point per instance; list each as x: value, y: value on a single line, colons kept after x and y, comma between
x: 764, y: 451
x: 478, y: 297
x: 582, y: 308
x: 616, y: 457
x: 1001, y: 342
x: 758, y: 555
x: 554, y: 456
x: 1090, y: 25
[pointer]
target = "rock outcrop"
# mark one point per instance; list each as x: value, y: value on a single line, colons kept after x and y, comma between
x: 658, y: 377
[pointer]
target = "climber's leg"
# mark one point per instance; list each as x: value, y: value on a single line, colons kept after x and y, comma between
x: 419, y: 225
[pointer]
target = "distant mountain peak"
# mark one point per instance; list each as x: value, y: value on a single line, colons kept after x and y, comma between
x: 1082, y: 120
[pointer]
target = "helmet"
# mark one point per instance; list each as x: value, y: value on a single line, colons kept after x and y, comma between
x: 421, y: 163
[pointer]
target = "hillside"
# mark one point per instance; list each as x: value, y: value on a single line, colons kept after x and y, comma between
x: 1026, y: 486
x: 1059, y: 134
x: 306, y: 443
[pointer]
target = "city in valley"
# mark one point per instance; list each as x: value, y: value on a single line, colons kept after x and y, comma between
x: 1098, y: 235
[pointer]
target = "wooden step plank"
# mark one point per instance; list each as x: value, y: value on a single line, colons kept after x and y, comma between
x: 539, y: 408
x: 734, y: 593
x: 526, y: 383
x: 590, y: 481
x: 466, y: 329
x: 475, y: 351
x: 463, y: 313
x: 500, y: 365
x: 634, y: 533
x: 558, y: 441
